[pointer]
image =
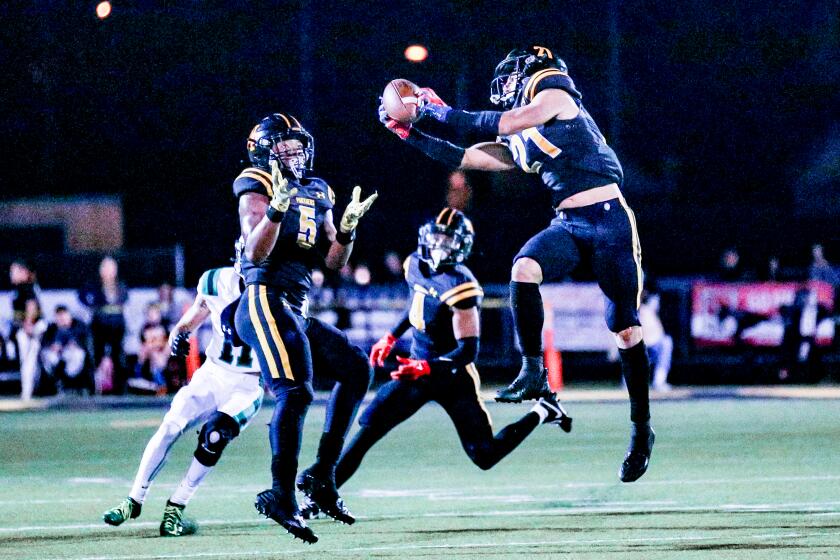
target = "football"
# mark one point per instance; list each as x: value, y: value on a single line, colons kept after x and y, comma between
x: 400, y: 100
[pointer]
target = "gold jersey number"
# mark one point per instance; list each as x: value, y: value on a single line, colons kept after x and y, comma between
x: 308, y: 227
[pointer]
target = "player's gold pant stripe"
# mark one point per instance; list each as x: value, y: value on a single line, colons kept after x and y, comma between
x: 637, y: 249
x: 463, y: 295
x: 275, y: 334
x: 459, y: 288
x: 255, y: 320
x: 473, y: 372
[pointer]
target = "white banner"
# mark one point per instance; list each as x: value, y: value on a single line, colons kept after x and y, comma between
x: 576, y: 313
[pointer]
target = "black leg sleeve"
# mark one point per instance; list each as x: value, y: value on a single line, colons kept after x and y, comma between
x: 635, y: 367
x: 528, y: 316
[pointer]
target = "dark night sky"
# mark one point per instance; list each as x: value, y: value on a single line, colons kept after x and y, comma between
x: 723, y: 114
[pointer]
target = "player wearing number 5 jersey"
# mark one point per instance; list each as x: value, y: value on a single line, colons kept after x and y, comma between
x: 545, y: 129
x: 224, y: 393
x: 286, y: 217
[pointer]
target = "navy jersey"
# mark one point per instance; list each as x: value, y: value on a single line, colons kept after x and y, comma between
x: 289, y: 266
x: 433, y: 296
x: 570, y: 155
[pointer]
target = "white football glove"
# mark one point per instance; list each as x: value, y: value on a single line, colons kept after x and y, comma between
x: 282, y: 196
x: 356, y: 208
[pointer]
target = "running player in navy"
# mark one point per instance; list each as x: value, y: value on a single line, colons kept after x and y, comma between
x: 444, y: 315
x: 545, y: 129
x: 286, y: 215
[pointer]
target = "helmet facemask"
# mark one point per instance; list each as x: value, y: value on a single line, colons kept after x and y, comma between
x: 442, y: 246
x: 293, y: 151
x: 507, y: 82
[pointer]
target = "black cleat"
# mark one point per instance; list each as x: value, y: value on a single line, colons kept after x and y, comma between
x: 323, y: 493
x: 556, y: 414
x: 271, y: 504
x: 529, y: 385
x: 637, y: 459
x: 309, y: 509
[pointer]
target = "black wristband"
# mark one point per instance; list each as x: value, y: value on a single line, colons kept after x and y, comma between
x: 485, y: 122
x: 274, y: 215
x: 437, y: 149
x: 346, y: 238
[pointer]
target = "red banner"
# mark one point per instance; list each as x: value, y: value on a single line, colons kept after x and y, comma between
x: 761, y: 314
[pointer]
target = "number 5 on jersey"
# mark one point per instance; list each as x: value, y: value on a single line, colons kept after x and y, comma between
x: 308, y: 228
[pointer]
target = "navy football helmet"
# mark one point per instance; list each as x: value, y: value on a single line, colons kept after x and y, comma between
x: 518, y: 65
x: 446, y: 240
x: 263, y: 143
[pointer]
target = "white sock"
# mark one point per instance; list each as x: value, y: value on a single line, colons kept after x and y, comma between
x: 190, y: 483
x: 154, y: 456
x: 541, y: 412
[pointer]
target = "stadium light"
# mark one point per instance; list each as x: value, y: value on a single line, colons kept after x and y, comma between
x: 416, y: 53
x: 103, y: 10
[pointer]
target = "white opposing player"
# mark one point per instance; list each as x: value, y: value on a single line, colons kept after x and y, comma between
x: 224, y: 393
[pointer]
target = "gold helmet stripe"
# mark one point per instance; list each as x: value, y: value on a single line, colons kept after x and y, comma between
x: 443, y: 212
x: 543, y: 50
x: 297, y: 122
x: 288, y: 122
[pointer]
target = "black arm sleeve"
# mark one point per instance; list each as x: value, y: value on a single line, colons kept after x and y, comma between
x: 402, y: 326
x: 484, y: 122
x: 437, y: 149
x: 465, y: 353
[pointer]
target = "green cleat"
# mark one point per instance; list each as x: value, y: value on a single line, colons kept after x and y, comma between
x: 128, y: 509
x: 174, y: 524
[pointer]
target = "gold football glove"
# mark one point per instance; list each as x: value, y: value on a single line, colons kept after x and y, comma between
x: 282, y: 196
x: 356, y: 208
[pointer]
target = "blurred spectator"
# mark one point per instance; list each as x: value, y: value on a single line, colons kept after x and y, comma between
x: 153, y: 316
x: 659, y: 344
x: 820, y: 269
x: 459, y: 193
x: 170, y: 311
x: 393, y: 269
x: 24, y: 288
x: 771, y: 272
x: 800, y: 356
x: 106, y: 301
x: 28, y: 338
x: 152, y: 360
x: 66, y: 353
x: 361, y: 275
x: 731, y: 268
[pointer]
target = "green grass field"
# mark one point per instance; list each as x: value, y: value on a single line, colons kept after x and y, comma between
x: 729, y: 479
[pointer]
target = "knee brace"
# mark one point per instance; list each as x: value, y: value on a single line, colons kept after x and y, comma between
x: 214, y: 436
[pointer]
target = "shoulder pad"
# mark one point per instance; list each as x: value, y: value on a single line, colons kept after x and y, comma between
x: 406, y: 265
x: 228, y: 284
x: 208, y: 284
x: 550, y: 78
x: 322, y: 192
x: 465, y: 291
x: 255, y: 180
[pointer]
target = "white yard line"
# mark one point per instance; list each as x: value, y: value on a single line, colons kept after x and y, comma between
x: 644, y: 507
x: 483, y: 545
